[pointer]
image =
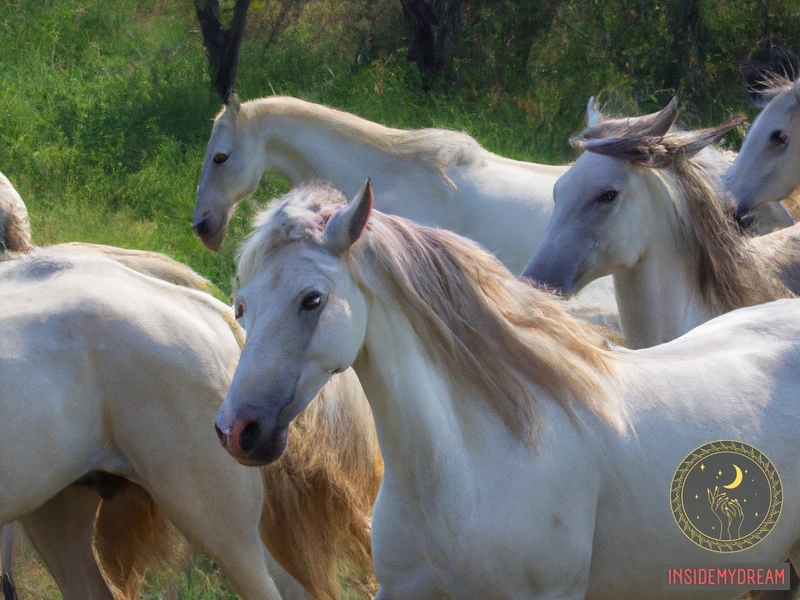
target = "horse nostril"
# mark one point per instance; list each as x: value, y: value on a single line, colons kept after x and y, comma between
x: 201, y: 227
x: 223, y: 439
x: 249, y: 436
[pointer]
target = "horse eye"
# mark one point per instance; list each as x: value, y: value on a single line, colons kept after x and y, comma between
x: 778, y: 137
x: 220, y: 157
x: 311, y: 301
x: 240, y: 310
x: 606, y: 197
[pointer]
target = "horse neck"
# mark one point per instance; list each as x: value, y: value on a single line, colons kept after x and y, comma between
x: 302, y: 150
x: 659, y: 298
x: 418, y: 409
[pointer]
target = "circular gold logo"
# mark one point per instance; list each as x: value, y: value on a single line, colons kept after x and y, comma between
x: 726, y: 496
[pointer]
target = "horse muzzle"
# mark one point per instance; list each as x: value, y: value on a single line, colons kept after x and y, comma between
x: 252, y: 441
x: 549, y: 277
x: 210, y: 228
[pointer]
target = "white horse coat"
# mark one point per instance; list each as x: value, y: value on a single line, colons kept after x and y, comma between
x: 79, y: 334
x: 448, y: 345
x: 501, y: 203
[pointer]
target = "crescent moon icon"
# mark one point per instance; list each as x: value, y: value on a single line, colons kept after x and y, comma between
x: 736, y: 481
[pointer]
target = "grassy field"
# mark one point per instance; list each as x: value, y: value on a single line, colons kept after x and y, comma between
x: 106, y: 107
x: 105, y: 110
x: 199, y: 580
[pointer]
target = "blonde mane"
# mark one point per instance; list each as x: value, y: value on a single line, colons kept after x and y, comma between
x: 15, y: 228
x: 477, y: 320
x: 772, y: 84
x: 441, y: 148
x: 732, y: 270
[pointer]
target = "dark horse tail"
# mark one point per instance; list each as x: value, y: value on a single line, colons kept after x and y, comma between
x: 9, y: 591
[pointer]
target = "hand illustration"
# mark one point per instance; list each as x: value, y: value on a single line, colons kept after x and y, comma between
x: 735, y: 514
x: 718, y: 501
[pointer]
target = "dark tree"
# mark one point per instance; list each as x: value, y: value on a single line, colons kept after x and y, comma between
x: 222, y: 45
x: 434, y: 26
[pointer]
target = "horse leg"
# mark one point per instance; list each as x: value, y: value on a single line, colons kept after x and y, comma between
x: 288, y: 587
x: 230, y: 538
x: 61, y: 532
x: 218, y: 513
x: 7, y: 567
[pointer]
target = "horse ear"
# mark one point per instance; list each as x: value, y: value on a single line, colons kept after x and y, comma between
x: 647, y: 151
x: 690, y: 143
x: 663, y: 120
x: 593, y: 115
x: 233, y: 105
x: 347, y: 223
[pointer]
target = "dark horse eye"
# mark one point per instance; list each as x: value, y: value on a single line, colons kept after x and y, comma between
x: 311, y: 301
x: 240, y: 310
x: 607, y: 197
x: 220, y: 157
x: 778, y: 137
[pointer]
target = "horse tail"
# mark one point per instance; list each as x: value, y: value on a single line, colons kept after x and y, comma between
x: 8, y: 534
x: 131, y: 535
x: 152, y: 264
x: 319, y: 495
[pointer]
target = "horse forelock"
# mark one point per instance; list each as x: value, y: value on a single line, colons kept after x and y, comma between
x: 300, y: 214
x: 479, y: 321
x: 772, y: 84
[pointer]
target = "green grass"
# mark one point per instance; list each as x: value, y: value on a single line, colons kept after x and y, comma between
x: 199, y: 580
x: 105, y: 110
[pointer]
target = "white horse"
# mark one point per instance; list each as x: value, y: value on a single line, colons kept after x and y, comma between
x: 328, y: 489
x: 641, y: 205
x: 525, y: 458
x: 767, y: 169
x: 100, y: 369
x: 118, y: 372
x: 503, y: 204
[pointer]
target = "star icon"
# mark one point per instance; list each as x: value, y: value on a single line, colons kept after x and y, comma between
x: 702, y: 467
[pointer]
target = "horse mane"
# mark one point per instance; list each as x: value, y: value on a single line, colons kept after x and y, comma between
x: 441, y: 148
x: 153, y: 264
x: 318, y: 497
x: 15, y: 228
x: 477, y: 320
x: 731, y: 270
x: 774, y: 83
